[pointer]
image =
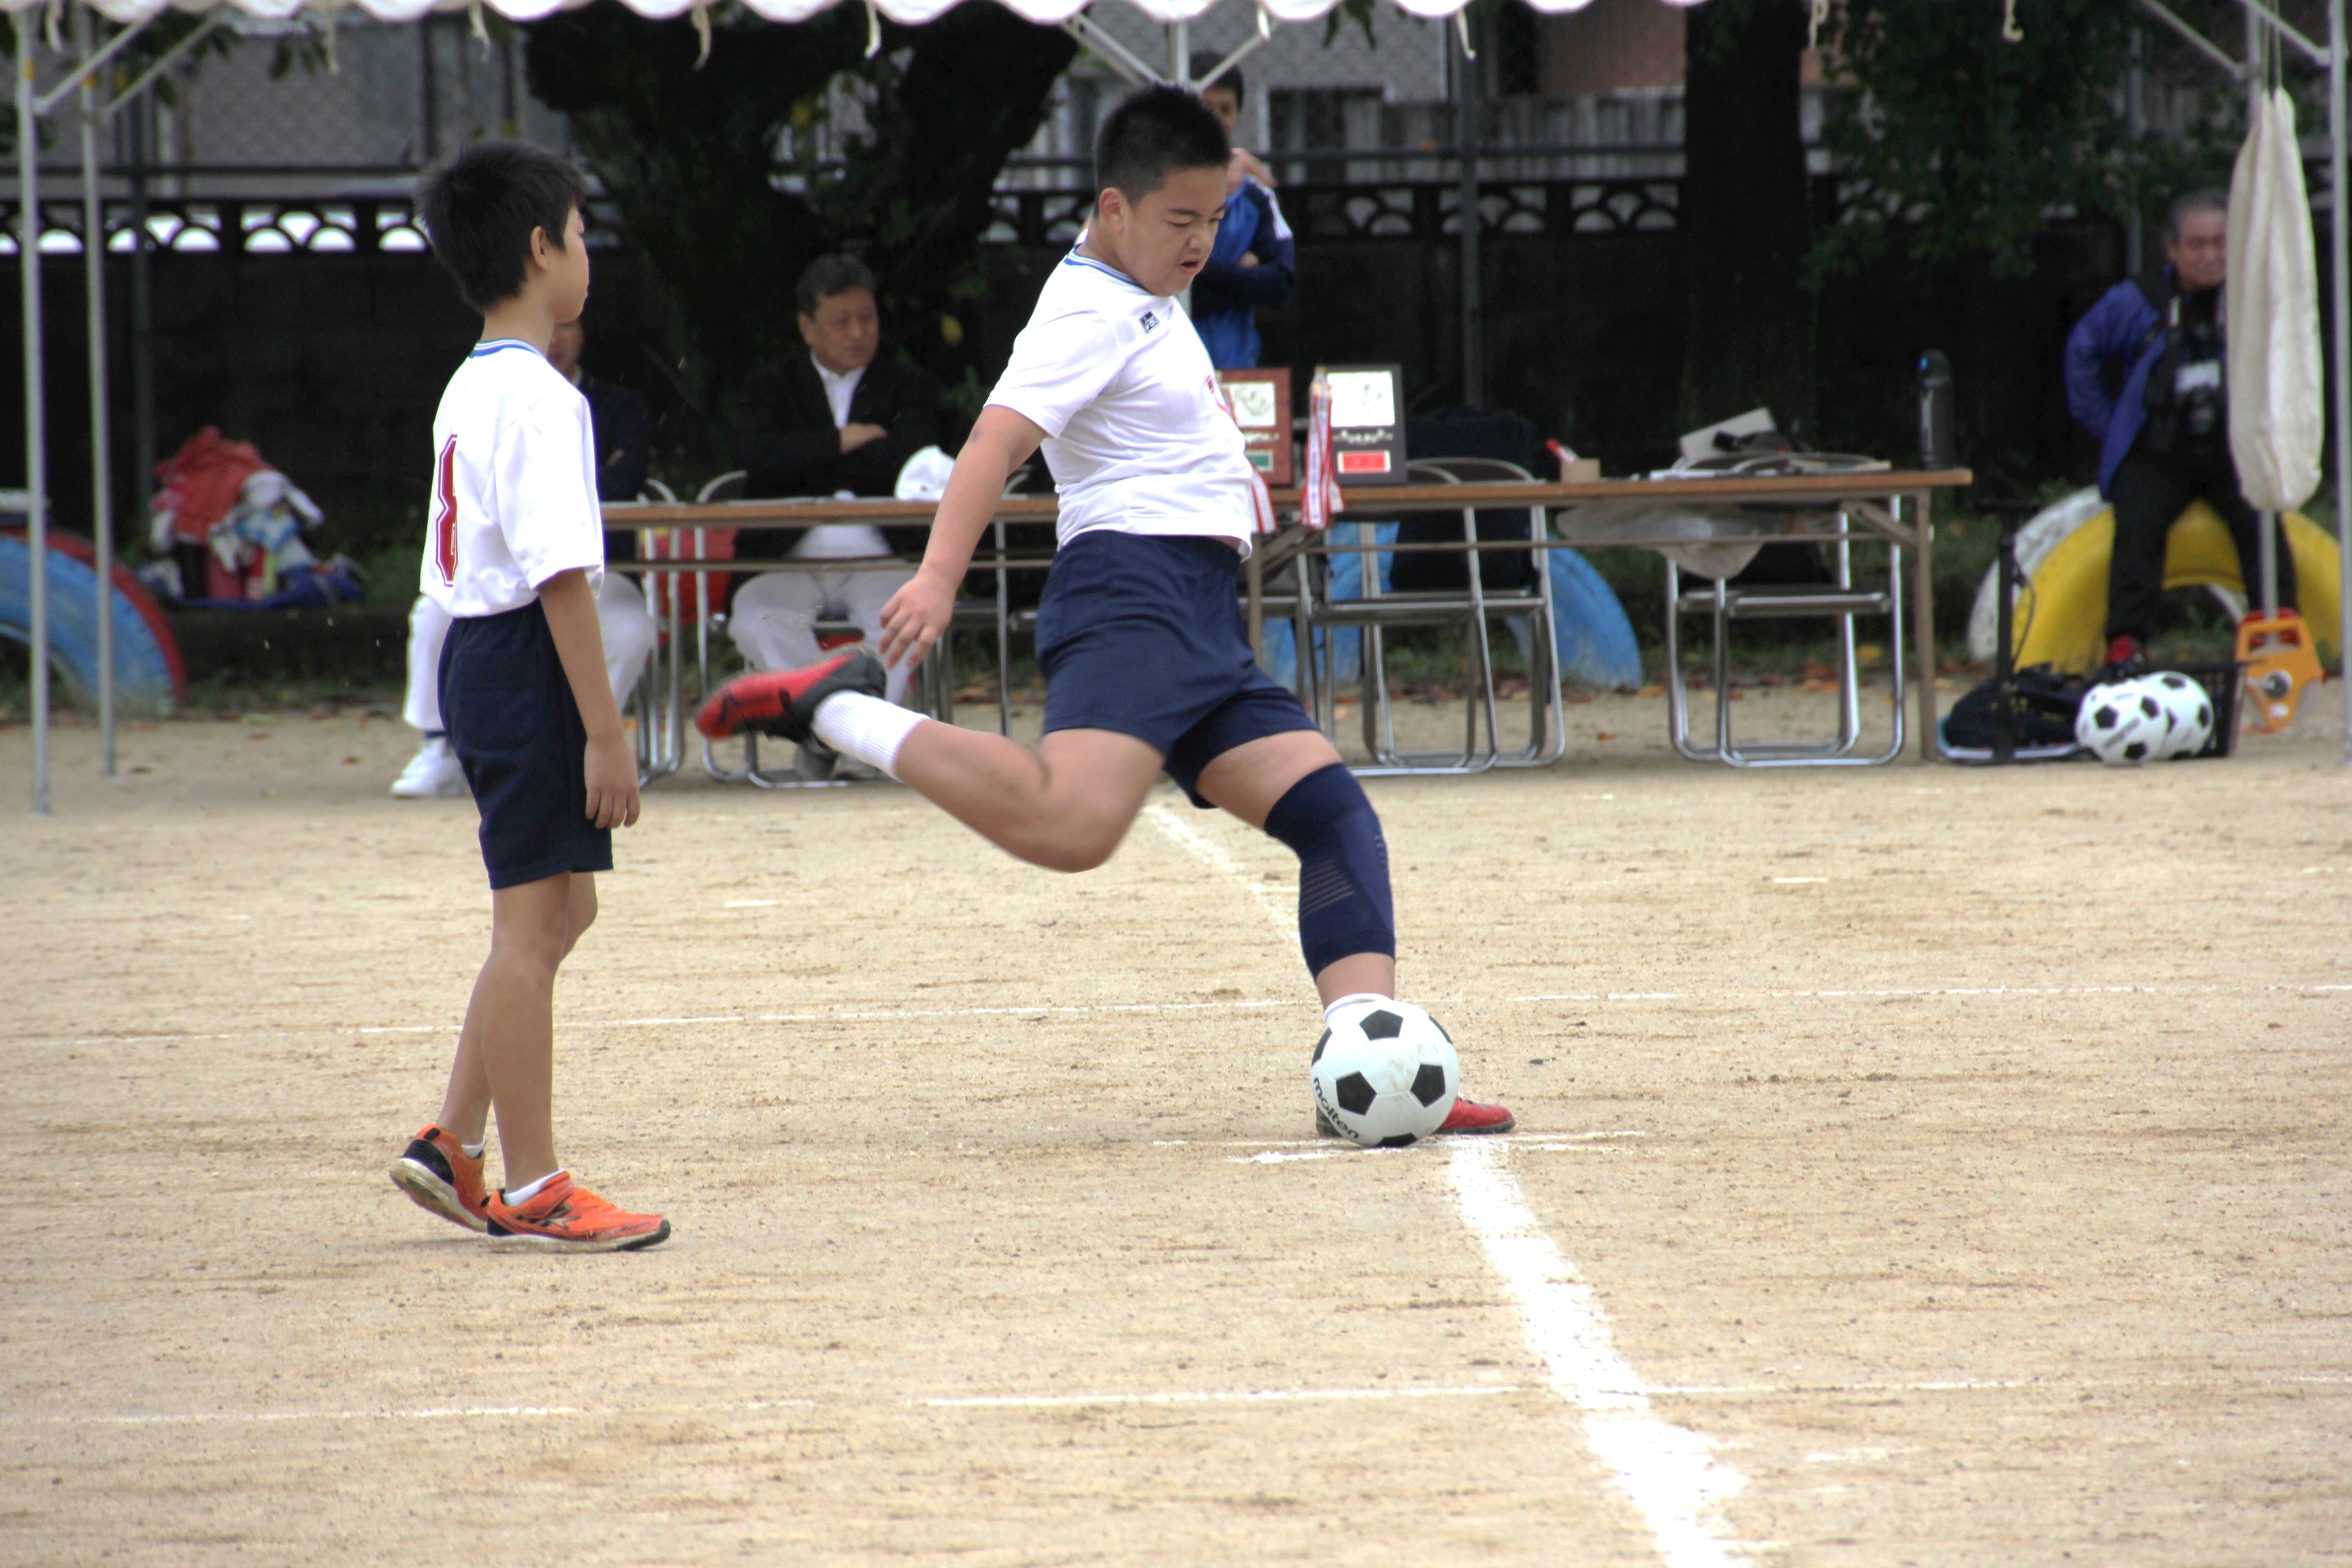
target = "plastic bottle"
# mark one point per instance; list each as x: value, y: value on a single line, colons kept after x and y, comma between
x: 1935, y: 437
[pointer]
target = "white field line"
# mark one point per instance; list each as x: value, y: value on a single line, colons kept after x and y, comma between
x: 882, y: 1015
x: 271, y: 1417
x: 428, y: 1413
x: 1235, y: 1396
x: 1669, y: 1473
x: 1346, y: 1151
x: 1914, y: 991
x: 2069, y: 1387
x: 1188, y: 838
x: 908, y: 1014
x: 983, y: 1401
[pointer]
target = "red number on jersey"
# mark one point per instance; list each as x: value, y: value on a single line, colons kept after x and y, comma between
x: 444, y: 512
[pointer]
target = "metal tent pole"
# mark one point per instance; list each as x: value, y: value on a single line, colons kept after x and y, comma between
x: 1465, y: 139
x: 142, y: 304
x: 101, y: 445
x: 2340, y: 302
x: 37, y: 479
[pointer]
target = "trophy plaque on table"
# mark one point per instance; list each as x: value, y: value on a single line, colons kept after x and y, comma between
x: 1367, y: 424
x: 1260, y: 404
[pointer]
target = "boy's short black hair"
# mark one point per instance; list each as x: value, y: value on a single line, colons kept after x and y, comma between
x: 1153, y: 131
x: 480, y: 207
x: 1202, y: 62
x: 828, y: 276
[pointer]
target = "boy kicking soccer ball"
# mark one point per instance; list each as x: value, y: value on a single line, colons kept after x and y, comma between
x: 515, y: 555
x: 1140, y: 632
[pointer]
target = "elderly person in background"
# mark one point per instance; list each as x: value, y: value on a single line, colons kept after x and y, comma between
x: 833, y: 420
x: 2165, y: 434
x: 616, y: 416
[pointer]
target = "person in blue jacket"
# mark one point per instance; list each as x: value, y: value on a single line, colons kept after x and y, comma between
x: 1255, y: 261
x: 2164, y: 432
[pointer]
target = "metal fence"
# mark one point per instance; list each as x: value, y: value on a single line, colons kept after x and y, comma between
x: 248, y: 225
x: 266, y: 225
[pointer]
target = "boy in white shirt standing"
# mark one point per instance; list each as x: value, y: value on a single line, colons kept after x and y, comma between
x: 515, y: 556
x: 1139, y: 634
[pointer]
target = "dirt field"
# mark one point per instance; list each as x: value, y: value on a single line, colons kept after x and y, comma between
x: 1916, y: 1166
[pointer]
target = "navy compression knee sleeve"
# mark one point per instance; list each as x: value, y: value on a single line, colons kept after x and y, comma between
x: 1343, y: 867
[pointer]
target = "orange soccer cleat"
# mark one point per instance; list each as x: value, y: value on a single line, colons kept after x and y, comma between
x: 439, y: 1174
x: 785, y: 701
x: 563, y: 1216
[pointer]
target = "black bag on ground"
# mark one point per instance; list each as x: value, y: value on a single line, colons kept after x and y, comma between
x: 1463, y: 433
x: 2047, y: 703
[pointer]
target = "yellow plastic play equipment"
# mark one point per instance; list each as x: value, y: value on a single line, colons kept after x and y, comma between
x: 2062, y: 614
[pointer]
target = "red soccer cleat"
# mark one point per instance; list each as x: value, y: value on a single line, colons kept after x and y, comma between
x: 784, y: 702
x: 1467, y: 1116
x: 1470, y: 1116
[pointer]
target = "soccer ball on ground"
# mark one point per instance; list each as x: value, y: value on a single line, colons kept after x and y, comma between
x: 2121, y: 723
x: 1384, y: 1074
x: 2187, y: 713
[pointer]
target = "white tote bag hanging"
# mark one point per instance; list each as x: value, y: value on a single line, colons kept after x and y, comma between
x: 2276, y: 406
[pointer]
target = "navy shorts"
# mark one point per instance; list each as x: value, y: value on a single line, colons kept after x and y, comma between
x: 516, y: 731
x: 1141, y: 634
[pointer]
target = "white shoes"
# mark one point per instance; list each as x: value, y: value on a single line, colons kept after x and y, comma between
x: 433, y: 773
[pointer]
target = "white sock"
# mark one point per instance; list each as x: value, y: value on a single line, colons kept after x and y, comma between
x: 866, y: 728
x: 1351, y: 1001
x: 474, y: 1150
x: 520, y: 1195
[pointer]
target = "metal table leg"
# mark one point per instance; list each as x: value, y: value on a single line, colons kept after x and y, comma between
x: 1923, y: 610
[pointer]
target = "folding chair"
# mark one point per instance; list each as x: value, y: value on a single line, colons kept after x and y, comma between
x: 654, y: 699
x: 1839, y: 601
x: 728, y: 487
x: 1471, y: 607
x: 933, y: 687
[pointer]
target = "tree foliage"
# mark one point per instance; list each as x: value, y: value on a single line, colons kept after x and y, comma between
x: 711, y: 165
x: 1745, y: 215
x: 1967, y: 141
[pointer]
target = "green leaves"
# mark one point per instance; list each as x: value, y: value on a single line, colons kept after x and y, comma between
x: 716, y: 174
x: 1967, y: 143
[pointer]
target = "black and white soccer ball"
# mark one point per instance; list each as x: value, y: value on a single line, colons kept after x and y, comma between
x: 1384, y: 1074
x: 2122, y: 722
x: 2187, y: 713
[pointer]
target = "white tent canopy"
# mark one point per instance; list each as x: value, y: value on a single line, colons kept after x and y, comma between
x: 909, y: 12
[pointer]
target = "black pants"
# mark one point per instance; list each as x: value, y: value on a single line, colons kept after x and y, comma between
x: 2150, y: 492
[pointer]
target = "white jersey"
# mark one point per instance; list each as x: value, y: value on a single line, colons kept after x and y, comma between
x: 514, y: 484
x: 1138, y: 436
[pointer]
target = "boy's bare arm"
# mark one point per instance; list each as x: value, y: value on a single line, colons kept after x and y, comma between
x: 610, y: 772
x: 917, y: 615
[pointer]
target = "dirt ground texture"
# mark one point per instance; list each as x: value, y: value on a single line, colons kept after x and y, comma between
x: 1960, y: 1155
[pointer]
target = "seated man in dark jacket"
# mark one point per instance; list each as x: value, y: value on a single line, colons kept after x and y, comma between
x: 2165, y: 436
x: 834, y: 420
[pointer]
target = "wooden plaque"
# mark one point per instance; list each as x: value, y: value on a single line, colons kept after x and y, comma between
x: 1261, y: 401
